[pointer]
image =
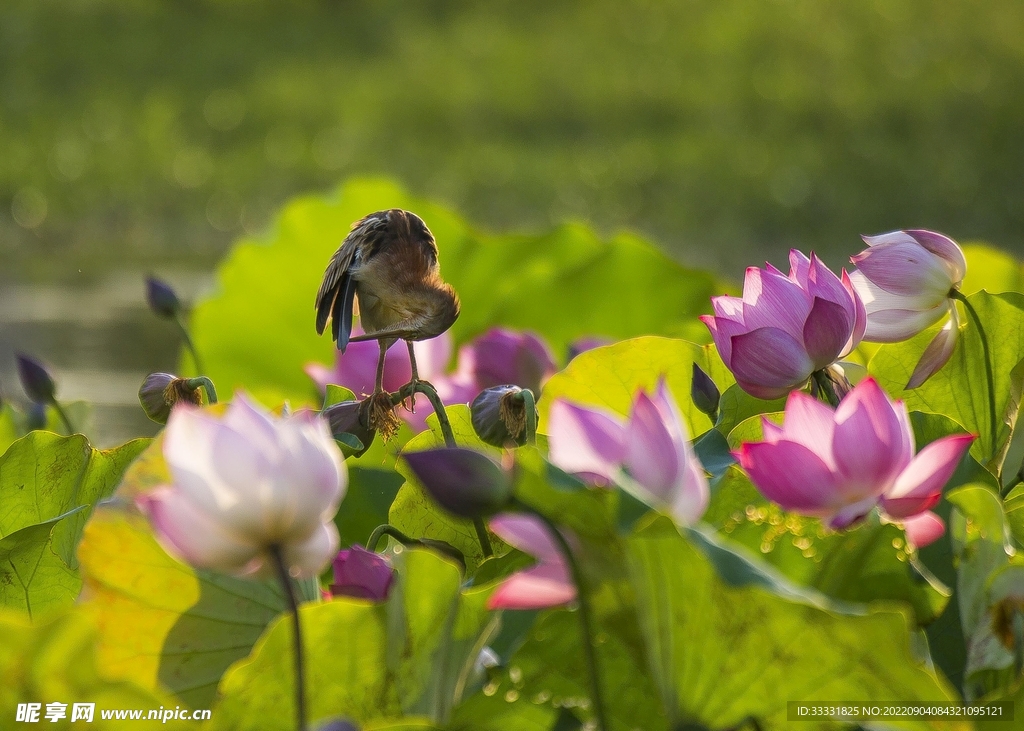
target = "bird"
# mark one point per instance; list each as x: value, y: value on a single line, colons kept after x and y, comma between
x: 388, y: 263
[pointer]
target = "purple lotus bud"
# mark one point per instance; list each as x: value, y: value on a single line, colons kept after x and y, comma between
x: 502, y: 416
x: 35, y: 379
x: 161, y: 298
x: 35, y: 416
x: 582, y: 345
x: 161, y: 391
x: 464, y: 482
x: 351, y: 417
x: 704, y: 392
x: 502, y: 356
x: 362, y: 574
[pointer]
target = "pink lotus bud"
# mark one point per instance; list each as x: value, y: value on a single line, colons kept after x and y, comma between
x: 500, y: 357
x: 244, y: 484
x: 785, y: 328
x: 839, y: 465
x: 904, y: 279
x: 362, y: 574
x: 548, y: 584
x: 648, y: 454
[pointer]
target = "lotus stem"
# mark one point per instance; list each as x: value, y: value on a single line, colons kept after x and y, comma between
x: 207, y: 384
x: 300, y: 676
x: 989, y: 377
x: 424, y: 387
x: 586, y: 620
x: 191, y: 346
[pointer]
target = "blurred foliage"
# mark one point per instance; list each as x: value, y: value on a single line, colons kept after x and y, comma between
x: 165, y: 128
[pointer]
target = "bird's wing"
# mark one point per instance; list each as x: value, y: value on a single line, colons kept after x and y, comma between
x: 336, y: 298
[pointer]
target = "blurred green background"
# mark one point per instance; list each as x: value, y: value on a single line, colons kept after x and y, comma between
x: 726, y: 130
x: 146, y: 135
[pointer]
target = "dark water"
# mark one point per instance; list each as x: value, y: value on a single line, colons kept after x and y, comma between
x: 100, y: 341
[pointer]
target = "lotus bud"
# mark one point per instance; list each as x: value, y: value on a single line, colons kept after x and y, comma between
x: 362, y: 574
x: 466, y: 483
x: 582, y: 345
x: 35, y: 379
x: 704, y: 392
x: 503, y: 416
x: 161, y: 298
x: 351, y: 417
x: 161, y: 391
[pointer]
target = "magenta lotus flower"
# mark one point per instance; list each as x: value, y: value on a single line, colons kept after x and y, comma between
x: 548, y: 583
x: 838, y: 465
x: 502, y: 357
x: 648, y: 454
x: 785, y: 328
x: 362, y: 574
x: 905, y: 279
x: 245, y: 484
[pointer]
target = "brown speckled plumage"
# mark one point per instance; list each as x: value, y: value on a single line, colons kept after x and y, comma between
x: 388, y: 262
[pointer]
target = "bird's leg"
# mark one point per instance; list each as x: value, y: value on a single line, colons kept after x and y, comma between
x: 379, y: 386
x: 382, y: 412
x: 415, y: 376
x: 412, y: 359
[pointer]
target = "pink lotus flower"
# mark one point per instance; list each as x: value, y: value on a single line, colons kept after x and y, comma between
x: 503, y: 357
x: 785, y: 328
x: 839, y: 465
x: 244, y: 484
x: 905, y: 279
x: 362, y: 574
x: 648, y: 454
x: 549, y: 583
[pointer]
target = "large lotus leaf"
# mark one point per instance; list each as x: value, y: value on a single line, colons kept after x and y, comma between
x: 549, y: 672
x: 32, y: 577
x: 257, y: 329
x: 416, y: 514
x: 160, y: 621
x: 54, y: 661
x: 43, y: 476
x: 727, y: 640
x: 960, y: 390
x: 868, y: 563
x: 983, y: 546
x: 611, y: 375
x: 364, y: 660
x: 991, y: 269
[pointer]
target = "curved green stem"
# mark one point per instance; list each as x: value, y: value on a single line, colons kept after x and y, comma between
x: 414, y: 387
x: 424, y: 387
x: 586, y: 619
x: 389, y: 530
x: 989, y: 376
x: 189, y: 344
x: 300, y: 675
x: 207, y: 384
x: 63, y: 416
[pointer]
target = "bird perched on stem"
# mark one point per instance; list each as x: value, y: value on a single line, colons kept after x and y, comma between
x: 388, y: 262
